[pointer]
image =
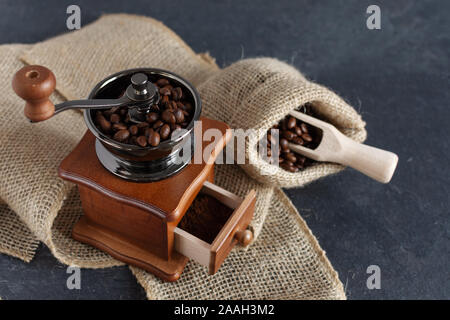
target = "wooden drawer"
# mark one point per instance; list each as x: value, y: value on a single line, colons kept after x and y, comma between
x: 233, y: 231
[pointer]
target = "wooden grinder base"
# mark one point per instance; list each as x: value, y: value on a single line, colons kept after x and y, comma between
x: 132, y: 221
x: 124, y: 250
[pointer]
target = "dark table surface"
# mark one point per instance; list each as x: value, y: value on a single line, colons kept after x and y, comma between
x: 396, y: 77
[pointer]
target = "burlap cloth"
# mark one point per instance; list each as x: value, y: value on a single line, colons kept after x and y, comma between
x: 284, y: 262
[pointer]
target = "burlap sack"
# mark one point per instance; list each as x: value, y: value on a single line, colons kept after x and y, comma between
x: 258, y: 93
x: 284, y: 262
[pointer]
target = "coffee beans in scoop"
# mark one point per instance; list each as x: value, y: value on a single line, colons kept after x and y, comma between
x: 292, y: 130
x: 173, y: 111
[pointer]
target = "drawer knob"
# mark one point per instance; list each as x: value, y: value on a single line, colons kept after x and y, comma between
x: 244, y: 237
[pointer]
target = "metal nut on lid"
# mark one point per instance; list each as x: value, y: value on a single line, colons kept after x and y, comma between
x: 139, y: 83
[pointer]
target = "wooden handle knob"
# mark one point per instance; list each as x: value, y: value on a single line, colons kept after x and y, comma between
x: 35, y: 84
x: 244, y: 237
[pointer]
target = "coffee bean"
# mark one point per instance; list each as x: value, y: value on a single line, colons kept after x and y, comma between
x: 179, y: 116
x: 148, y: 132
x: 304, y: 127
x: 104, y: 124
x: 119, y: 126
x: 307, y: 137
x: 298, y: 140
x: 168, y: 116
x: 165, y: 91
x: 298, y: 131
x: 152, y: 117
x: 284, y: 144
x: 154, y: 139
x: 121, y: 135
x: 158, y: 124
x: 301, y: 160
x: 123, y: 111
x: 289, y: 163
x: 291, y: 157
x: 178, y: 93
x: 291, y: 123
x: 288, y: 167
x: 142, y: 141
x: 288, y: 135
x: 165, y: 101
x: 142, y: 126
x: 164, y: 132
x: 162, y: 82
x: 174, y: 94
x: 115, y: 118
x: 134, y: 130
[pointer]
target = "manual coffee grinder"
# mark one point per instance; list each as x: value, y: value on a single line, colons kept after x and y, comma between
x: 134, y: 197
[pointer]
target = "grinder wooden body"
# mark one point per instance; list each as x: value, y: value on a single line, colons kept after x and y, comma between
x: 137, y: 222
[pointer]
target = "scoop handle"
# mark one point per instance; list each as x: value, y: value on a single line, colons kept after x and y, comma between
x: 35, y: 84
x: 376, y: 163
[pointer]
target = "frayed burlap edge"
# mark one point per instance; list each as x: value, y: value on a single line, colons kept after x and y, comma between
x: 18, y: 240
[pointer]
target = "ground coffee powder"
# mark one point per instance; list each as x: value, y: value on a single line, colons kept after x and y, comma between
x: 205, y: 217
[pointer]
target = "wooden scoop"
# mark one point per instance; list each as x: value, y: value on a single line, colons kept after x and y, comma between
x: 336, y: 147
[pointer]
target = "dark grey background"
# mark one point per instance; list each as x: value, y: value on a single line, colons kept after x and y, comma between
x: 397, y: 77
